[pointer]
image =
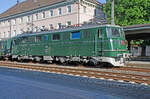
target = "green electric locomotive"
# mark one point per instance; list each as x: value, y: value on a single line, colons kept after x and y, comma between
x: 96, y: 44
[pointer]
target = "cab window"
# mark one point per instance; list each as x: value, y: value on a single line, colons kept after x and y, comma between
x: 115, y: 32
x: 122, y: 33
x: 109, y: 35
x: 99, y: 33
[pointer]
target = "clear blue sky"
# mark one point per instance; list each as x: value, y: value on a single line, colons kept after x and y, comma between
x: 5, y: 4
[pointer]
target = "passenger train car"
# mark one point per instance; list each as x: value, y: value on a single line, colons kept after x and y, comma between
x: 96, y: 44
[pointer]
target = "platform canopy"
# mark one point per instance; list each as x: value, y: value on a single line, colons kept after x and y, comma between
x: 134, y: 32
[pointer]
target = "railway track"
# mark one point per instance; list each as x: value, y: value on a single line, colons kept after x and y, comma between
x: 122, y: 77
x: 138, y: 69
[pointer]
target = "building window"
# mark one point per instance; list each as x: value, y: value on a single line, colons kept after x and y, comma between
x: 36, y: 16
x: 28, y: 19
x: 69, y: 9
x: 51, y: 13
x: 14, y: 21
x: 68, y: 23
x: 35, y: 1
x: 50, y: 26
x: 21, y: 31
x: 4, y: 35
x: 43, y: 27
x: 21, y: 19
x: 59, y: 25
x: 36, y: 29
x: 43, y: 15
x: 84, y: 9
x: 7, y: 22
x: 15, y: 32
x: 8, y: 34
x: 0, y: 35
x: 59, y: 11
x: 2, y: 23
x: 28, y: 29
x: 96, y: 12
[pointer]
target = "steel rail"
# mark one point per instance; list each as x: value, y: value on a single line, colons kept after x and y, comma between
x: 139, y: 69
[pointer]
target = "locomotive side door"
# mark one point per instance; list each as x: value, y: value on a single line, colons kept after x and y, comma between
x: 47, y: 45
x: 101, y: 41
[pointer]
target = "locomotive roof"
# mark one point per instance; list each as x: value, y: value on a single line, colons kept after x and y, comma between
x: 64, y: 30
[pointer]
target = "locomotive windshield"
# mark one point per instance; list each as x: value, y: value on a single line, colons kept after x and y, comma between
x: 115, y: 32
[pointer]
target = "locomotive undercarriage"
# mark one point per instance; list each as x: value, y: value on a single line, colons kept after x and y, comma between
x: 119, y: 61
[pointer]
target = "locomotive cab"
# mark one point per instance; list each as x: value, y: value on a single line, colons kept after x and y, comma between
x: 113, y: 47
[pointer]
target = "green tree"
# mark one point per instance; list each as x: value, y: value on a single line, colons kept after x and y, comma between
x: 129, y: 12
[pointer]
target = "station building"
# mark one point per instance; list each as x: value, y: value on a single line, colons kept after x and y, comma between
x: 36, y: 15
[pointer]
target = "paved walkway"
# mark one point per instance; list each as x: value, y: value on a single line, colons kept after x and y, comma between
x: 21, y: 84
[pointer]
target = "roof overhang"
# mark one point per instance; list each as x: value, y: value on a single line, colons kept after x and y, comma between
x: 137, y: 31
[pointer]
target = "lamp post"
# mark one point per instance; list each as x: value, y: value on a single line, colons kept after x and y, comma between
x: 112, y: 13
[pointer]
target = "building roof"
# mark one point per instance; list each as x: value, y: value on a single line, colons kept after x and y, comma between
x: 29, y: 5
x: 138, y: 25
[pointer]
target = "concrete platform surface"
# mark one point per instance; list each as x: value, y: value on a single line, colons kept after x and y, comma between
x: 22, y: 84
x: 145, y: 64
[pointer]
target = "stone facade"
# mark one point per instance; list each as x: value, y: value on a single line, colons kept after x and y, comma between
x: 48, y: 16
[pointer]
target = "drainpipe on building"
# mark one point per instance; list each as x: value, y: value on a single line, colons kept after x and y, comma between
x: 10, y: 28
x: 32, y: 22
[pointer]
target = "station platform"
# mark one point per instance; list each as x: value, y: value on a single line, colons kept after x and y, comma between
x: 23, y: 84
x: 139, y: 62
x: 141, y: 58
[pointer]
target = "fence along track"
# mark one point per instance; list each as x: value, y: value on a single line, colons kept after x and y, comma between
x: 133, y: 78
